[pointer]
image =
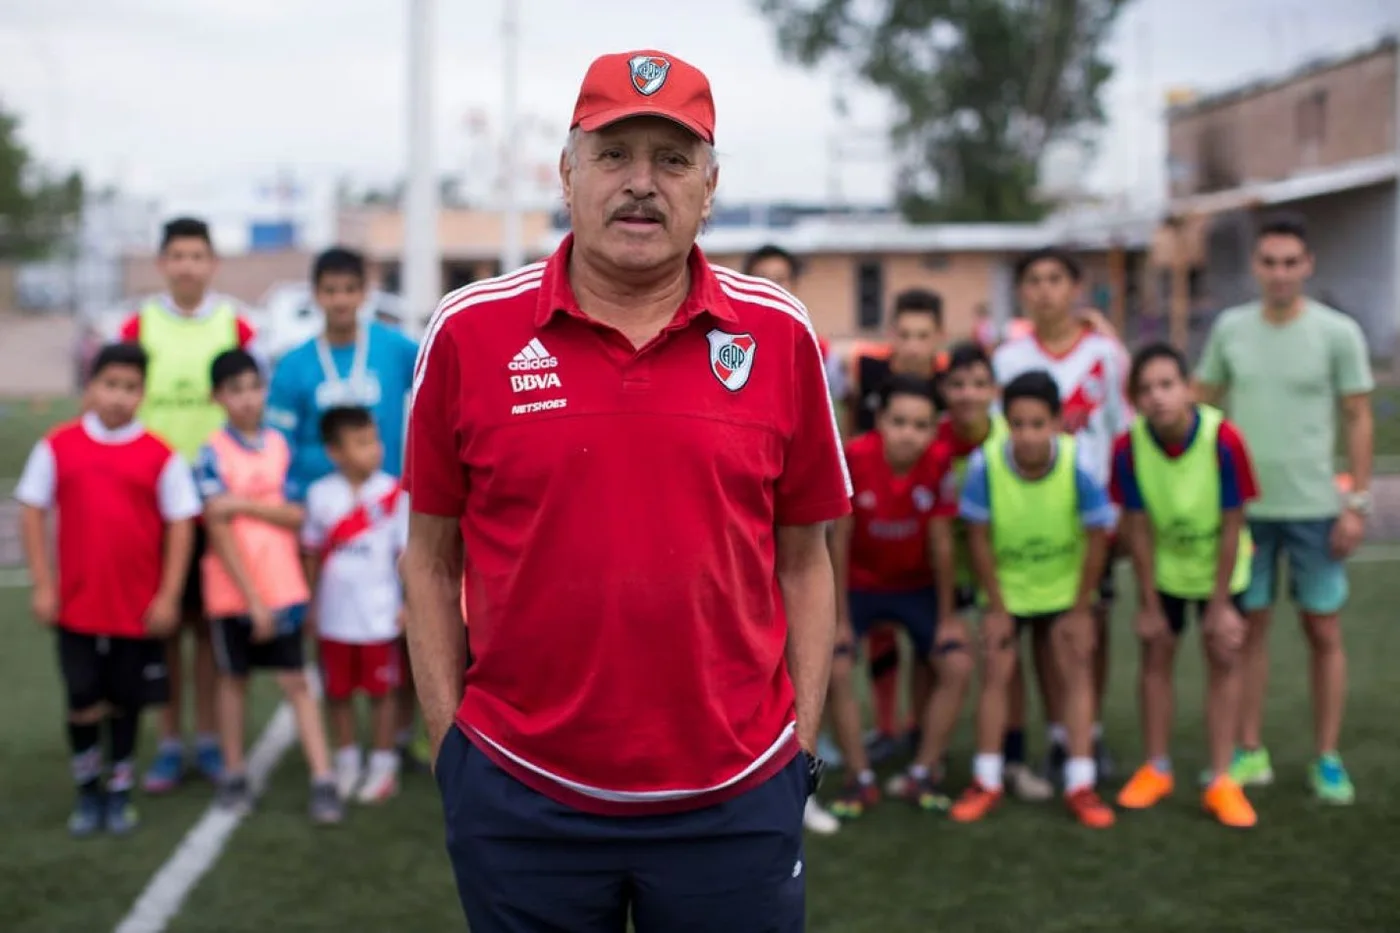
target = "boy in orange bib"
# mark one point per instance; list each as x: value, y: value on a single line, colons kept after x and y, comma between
x: 255, y: 594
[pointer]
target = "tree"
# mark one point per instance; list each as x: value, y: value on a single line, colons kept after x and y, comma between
x: 37, y: 210
x: 980, y: 87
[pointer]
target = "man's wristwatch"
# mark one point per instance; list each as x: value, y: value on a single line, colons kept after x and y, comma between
x: 815, y: 769
x: 1358, y: 502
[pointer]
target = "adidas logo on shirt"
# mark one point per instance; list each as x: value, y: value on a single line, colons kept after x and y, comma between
x: 533, y: 356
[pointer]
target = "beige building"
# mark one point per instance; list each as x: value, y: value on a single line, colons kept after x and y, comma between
x: 1322, y: 141
x: 852, y: 268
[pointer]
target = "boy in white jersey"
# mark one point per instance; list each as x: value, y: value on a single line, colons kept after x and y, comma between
x: 356, y: 528
x: 1089, y: 366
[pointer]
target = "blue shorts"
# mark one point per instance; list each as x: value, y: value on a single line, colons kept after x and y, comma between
x: 525, y: 863
x: 915, y: 610
x: 1317, y: 581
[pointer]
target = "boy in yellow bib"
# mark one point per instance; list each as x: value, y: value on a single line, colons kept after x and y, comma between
x: 1038, y: 528
x: 1182, y: 475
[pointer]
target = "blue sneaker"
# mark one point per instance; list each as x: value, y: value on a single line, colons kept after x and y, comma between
x: 1330, y: 781
x: 166, y: 771
x: 209, y: 761
x: 828, y: 751
x: 87, y: 815
x: 121, y: 815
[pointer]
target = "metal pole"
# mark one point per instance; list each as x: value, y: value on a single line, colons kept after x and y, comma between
x: 421, y: 280
x: 512, y: 246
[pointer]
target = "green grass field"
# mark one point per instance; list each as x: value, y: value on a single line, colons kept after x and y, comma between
x: 1305, y: 869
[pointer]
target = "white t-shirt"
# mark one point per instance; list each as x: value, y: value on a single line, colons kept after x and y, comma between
x: 1092, y: 378
x: 357, y: 594
x: 175, y: 493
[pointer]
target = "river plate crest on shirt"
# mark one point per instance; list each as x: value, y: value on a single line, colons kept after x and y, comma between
x: 731, y: 358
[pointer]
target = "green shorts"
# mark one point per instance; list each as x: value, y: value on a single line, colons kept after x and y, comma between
x: 1317, y: 582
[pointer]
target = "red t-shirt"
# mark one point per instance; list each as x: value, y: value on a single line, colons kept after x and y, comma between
x: 618, y: 509
x: 110, y: 530
x: 889, y: 542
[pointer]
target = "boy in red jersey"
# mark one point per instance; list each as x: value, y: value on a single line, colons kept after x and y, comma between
x: 969, y: 389
x: 884, y: 556
x: 125, y: 503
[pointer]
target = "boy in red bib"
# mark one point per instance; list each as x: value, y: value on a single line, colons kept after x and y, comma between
x: 255, y: 594
x: 125, y: 505
x: 356, y: 528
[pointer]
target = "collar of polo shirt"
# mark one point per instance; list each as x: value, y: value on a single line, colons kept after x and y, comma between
x: 556, y: 295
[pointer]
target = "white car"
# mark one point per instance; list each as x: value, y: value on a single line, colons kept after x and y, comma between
x: 288, y: 316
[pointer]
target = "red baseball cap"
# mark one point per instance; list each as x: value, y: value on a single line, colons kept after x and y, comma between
x: 645, y: 83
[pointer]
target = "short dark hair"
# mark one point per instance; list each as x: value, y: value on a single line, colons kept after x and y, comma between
x: 772, y: 251
x: 126, y: 353
x: 1156, y: 350
x: 966, y: 354
x: 919, y: 301
x: 185, y: 228
x: 1053, y: 254
x: 1283, y: 223
x: 336, y: 421
x: 903, y: 384
x: 229, y: 365
x: 1036, y: 384
x: 338, y: 261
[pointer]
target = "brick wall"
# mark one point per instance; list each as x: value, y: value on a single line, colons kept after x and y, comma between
x: 1323, y: 118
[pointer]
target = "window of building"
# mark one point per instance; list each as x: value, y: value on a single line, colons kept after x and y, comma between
x: 1310, y: 118
x: 870, y: 294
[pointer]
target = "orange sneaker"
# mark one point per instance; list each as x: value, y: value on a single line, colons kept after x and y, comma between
x: 1224, y: 800
x: 976, y: 802
x: 1088, y: 808
x: 1146, y: 788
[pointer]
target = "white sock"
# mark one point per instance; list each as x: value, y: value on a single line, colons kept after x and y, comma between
x: 986, y: 768
x: 866, y: 778
x: 1057, y: 734
x: 348, y: 758
x: 1079, y: 774
x: 1098, y: 731
x: 382, y: 762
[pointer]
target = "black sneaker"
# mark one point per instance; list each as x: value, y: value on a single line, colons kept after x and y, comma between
x: 1054, y: 768
x: 88, y: 815
x: 880, y: 747
x: 121, y: 817
x: 234, y: 795
x: 326, y: 808
x: 1103, y: 760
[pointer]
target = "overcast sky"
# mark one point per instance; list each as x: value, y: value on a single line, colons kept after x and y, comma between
x: 193, y: 100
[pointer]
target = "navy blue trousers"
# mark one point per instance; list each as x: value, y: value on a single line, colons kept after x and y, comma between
x: 526, y: 864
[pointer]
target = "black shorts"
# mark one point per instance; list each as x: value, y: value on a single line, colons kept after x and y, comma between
x: 915, y: 610
x: 237, y: 654
x: 192, y: 604
x: 1038, y: 621
x: 127, y: 673
x: 1174, y: 608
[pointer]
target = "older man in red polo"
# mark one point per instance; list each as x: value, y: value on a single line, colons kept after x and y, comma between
x: 634, y: 456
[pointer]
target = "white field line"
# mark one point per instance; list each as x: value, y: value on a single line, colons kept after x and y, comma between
x: 205, y: 842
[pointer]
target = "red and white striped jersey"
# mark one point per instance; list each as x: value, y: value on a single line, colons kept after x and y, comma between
x: 1092, y: 377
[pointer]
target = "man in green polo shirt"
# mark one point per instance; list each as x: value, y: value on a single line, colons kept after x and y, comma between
x: 1284, y: 365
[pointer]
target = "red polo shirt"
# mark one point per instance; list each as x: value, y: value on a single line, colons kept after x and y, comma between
x: 618, y: 509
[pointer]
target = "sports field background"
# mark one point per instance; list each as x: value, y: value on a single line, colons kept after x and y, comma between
x: 1305, y: 869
